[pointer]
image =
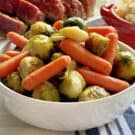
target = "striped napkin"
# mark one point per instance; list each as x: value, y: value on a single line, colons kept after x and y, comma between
x: 123, y: 125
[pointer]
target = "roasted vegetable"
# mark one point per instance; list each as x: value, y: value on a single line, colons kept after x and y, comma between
x: 75, y: 21
x: 56, y: 55
x: 46, y: 91
x: 124, y: 65
x: 13, y: 81
x: 72, y: 66
x: 41, y: 46
x: 39, y: 28
x: 42, y: 27
x: 28, y: 65
x: 97, y: 43
x: 57, y: 37
x: 72, y: 84
x: 74, y: 33
x: 92, y: 93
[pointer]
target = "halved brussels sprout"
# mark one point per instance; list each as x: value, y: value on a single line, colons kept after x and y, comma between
x: 46, y: 91
x: 28, y: 34
x: 28, y: 65
x: 124, y: 65
x: 40, y: 46
x: 74, y: 33
x: 72, y: 66
x: 13, y: 81
x: 56, y: 55
x: 39, y: 28
x: 56, y: 37
x: 97, y: 43
x: 92, y: 93
x: 72, y: 84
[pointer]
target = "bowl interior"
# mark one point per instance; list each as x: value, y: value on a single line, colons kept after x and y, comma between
x: 98, y: 21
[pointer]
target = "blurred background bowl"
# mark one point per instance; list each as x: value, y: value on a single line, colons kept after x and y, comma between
x: 125, y: 29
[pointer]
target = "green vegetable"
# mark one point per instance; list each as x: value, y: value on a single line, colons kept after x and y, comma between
x: 40, y: 46
x: 39, y: 28
x: 72, y: 66
x: 13, y: 81
x: 75, y: 21
x: 28, y: 65
x: 56, y: 55
x: 92, y: 93
x: 124, y: 65
x: 46, y: 91
x: 72, y: 84
x: 74, y: 33
x: 57, y: 37
x: 97, y: 43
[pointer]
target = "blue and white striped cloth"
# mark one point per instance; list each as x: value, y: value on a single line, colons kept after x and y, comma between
x: 123, y: 125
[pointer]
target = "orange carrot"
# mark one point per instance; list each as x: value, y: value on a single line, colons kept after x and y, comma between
x: 103, y: 30
x: 11, y: 64
x: 4, y: 57
x: 46, y: 72
x: 19, y: 40
x: 58, y: 24
x: 83, y: 56
x: 110, y: 52
x: 12, y: 53
x: 109, y: 83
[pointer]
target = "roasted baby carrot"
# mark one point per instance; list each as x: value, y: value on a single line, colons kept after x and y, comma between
x: 11, y: 64
x: 83, y: 56
x: 109, y: 83
x: 110, y: 52
x: 46, y: 72
x: 19, y: 40
x: 4, y: 57
x: 103, y: 30
x: 12, y: 53
x: 58, y: 24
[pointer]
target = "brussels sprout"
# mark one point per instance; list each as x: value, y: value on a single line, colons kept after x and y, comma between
x: 56, y: 37
x: 28, y: 34
x: 46, y: 91
x: 97, y: 43
x: 28, y: 65
x: 124, y: 65
x: 59, y: 54
x: 72, y: 84
x: 72, y: 66
x: 39, y: 28
x: 75, y: 33
x: 40, y: 46
x: 56, y: 55
x: 92, y: 93
x: 13, y: 81
x: 26, y: 48
x: 75, y: 21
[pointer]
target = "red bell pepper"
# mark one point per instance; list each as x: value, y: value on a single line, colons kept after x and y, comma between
x: 126, y: 30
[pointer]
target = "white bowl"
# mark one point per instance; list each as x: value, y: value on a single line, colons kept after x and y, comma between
x: 68, y: 116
